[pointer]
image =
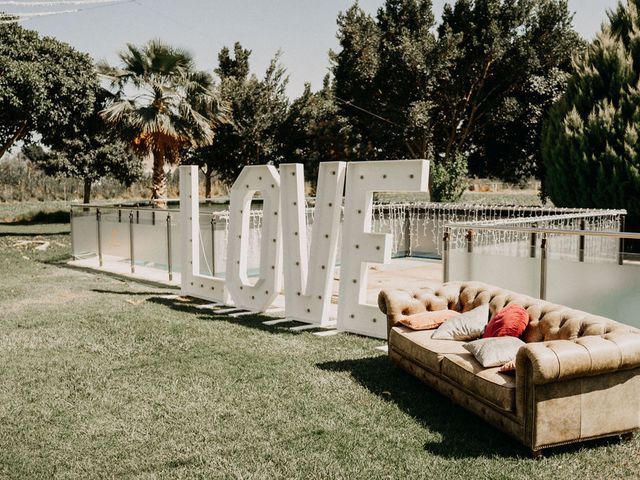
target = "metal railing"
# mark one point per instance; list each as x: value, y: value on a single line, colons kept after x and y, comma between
x: 533, y: 233
x: 411, y: 224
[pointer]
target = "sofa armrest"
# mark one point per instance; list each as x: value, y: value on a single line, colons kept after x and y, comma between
x: 589, y: 355
x: 398, y: 304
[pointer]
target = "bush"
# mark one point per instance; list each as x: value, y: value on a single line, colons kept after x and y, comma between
x: 448, y: 179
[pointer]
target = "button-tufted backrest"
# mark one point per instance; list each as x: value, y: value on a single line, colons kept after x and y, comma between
x: 547, y: 321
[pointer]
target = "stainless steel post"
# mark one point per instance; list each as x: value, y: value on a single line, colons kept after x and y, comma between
x: 73, y: 250
x: 131, y: 250
x: 470, y: 235
x: 98, y: 218
x: 213, y: 246
x: 533, y: 242
x: 445, y: 255
x: 169, y: 259
x: 581, y: 243
x: 621, y: 246
x: 543, y: 267
x: 407, y: 232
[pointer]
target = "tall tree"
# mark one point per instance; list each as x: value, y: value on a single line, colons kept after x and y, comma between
x: 258, y: 108
x: 510, y: 61
x: 407, y: 92
x: 94, y: 152
x: 382, y: 76
x: 312, y: 132
x: 591, y: 146
x: 163, y: 105
x: 46, y: 87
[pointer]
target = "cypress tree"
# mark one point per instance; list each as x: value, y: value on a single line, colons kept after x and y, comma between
x: 591, y: 143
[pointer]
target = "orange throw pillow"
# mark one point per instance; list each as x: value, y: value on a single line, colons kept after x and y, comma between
x: 427, y: 320
x: 511, y: 321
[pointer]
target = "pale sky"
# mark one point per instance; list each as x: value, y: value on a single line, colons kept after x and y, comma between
x: 304, y: 30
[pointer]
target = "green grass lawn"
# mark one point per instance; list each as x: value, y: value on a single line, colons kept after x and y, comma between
x: 102, y: 377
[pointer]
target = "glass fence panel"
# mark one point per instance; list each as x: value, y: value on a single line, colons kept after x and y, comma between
x: 206, y: 253
x: 606, y: 289
x: 426, y: 240
x: 114, y: 233
x: 176, y: 243
x: 84, y: 234
x: 519, y: 274
x: 150, y: 239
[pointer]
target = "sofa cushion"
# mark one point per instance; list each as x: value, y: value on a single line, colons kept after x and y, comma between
x: 427, y: 320
x: 511, y: 321
x: 466, y: 326
x: 496, y: 351
x: 420, y: 348
x: 488, y: 384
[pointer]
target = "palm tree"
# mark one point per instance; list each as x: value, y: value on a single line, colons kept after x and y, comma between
x: 162, y: 104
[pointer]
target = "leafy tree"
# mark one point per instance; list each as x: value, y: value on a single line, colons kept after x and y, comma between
x: 162, y: 105
x: 382, y: 76
x: 93, y: 153
x: 510, y: 61
x: 258, y: 109
x: 407, y: 92
x: 312, y: 132
x: 45, y: 87
x: 591, y: 144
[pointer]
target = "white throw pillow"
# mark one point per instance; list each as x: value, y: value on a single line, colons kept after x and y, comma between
x: 494, y: 351
x: 466, y: 326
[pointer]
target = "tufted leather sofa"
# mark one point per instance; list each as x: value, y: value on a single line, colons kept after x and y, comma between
x: 577, y: 378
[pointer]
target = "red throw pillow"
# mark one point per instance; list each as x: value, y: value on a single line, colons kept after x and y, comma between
x: 511, y: 321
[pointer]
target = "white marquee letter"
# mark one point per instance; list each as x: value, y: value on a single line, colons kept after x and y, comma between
x: 259, y: 296
x: 192, y: 282
x: 360, y: 246
x: 308, y: 279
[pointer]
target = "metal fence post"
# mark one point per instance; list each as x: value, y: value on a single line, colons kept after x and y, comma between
x: 581, y: 242
x: 407, y: 232
x: 213, y: 246
x: 621, y: 245
x: 470, y: 235
x: 543, y: 267
x: 533, y: 242
x: 98, y: 219
x: 131, y: 250
x: 445, y: 255
x: 73, y: 250
x: 169, y: 259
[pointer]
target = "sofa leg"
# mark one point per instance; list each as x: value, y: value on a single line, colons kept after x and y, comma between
x: 626, y: 437
x: 537, y: 454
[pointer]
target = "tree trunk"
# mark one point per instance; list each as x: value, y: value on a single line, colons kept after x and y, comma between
x: 207, y: 183
x: 159, y: 181
x: 19, y: 135
x: 87, y: 190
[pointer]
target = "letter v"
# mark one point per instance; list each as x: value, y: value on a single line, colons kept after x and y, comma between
x: 308, y: 277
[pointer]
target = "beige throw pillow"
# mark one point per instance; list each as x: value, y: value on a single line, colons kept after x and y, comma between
x: 494, y: 351
x: 466, y: 326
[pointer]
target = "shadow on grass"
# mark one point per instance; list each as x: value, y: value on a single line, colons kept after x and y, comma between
x: 464, y: 435
x: 40, y: 217
x: 254, y: 320
x: 11, y: 230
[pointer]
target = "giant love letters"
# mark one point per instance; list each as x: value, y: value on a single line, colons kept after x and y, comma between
x: 307, y: 268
